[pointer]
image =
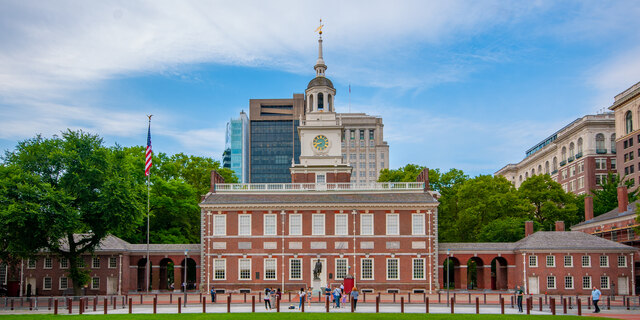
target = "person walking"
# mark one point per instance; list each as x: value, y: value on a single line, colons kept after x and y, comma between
x: 336, y: 296
x: 354, y: 297
x: 595, y: 296
x: 278, y: 296
x: 327, y: 293
x: 309, y: 296
x: 213, y: 295
x: 267, y: 299
x: 301, y: 294
x: 519, y: 295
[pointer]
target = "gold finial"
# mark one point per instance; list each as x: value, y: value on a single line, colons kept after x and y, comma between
x: 319, y: 29
x: 149, y: 116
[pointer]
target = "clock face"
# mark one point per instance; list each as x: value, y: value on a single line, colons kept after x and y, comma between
x: 320, y: 143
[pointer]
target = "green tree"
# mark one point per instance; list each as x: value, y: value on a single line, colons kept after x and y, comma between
x: 506, y: 229
x: 606, y: 199
x: 551, y: 203
x: 408, y: 173
x: 91, y: 187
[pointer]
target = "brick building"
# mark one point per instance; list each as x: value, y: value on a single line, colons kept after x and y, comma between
x: 626, y: 108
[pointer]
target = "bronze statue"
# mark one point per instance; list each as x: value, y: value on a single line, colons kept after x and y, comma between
x: 317, y: 269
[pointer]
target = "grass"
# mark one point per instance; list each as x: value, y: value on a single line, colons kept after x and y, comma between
x: 292, y: 316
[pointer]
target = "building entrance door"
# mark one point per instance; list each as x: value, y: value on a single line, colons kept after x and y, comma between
x: 533, y: 285
x: 30, y: 286
x: 318, y: 274
x: 112, y: 285
x: 623, y: 286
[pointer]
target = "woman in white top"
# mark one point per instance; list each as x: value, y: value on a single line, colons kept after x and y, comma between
x: 302, y: 294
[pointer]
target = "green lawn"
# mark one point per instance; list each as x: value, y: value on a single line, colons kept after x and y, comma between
x: 292, y: 316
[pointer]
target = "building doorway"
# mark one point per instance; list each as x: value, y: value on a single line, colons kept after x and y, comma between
x: 319, y: 265
x: 533, y: 285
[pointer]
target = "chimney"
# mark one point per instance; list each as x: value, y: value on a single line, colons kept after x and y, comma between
x: 559, y: 225
x: 623, y: 199
x: 588, y: 208
x: 528, y: 228
x: 215, y: 178
x: 424, y: 177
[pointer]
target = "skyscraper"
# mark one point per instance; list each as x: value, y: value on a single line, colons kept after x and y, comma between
x: 236, y: 155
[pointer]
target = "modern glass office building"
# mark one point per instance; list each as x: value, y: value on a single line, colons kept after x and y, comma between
x: 273, y: 145
x: 236, y: 155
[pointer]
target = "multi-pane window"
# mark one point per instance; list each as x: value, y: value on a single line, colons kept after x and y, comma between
x: 372, y: 156
x: 366, y: 224
x: 601, y: 164
x: 362, y: 156
x: 95, y: 283
x: 3, y: 274
x: 392, y: 224
x: 551, y: 261
x: 48, y: 263
x: 604, y: 282
x: 80, y: 262
x: 353, y: 134
x: 64, y: 263
x: 418, y: 269
x: 533, y: 261
x: 392, y: 269
x: 370, y: 134
x: 31, y: 263
x: 95, y: 262
x: 219, y: 225
x: 551, y: 282
x: 381, y: 164
x: 622, y: 261
x: 361, y: 134
x: 341, y: 268
x: 244, y: 224
x: 295, y: 269
x: 295, y: 224
x: 568, y: 282
x: 586, y: 282
x: 270, y: 266
x: 270, y: 222
x: 64, y: 283
x: 417, y: 224
x: 113, y: 262
x: 341, y: 223
x: 586, y: 261
x: 604, y: 261
x: 46, y: 283
x: 219, y: 269
x: 367, y: 269
x: 613, y: 164
x: 318, y: 225
x: 244, y: 269
x: 580, y: 182
x: 568, y: 261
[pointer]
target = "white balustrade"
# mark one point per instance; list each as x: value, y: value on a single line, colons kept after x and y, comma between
x: 298, y: 187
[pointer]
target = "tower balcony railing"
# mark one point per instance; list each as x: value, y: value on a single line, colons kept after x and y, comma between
x: 601, y: 151
x: 302, y: 187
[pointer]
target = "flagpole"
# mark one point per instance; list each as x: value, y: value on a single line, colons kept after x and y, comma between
x: 349, y: 97
x: 148, y: 267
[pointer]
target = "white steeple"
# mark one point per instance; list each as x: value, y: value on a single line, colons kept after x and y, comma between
x: 320, y: 66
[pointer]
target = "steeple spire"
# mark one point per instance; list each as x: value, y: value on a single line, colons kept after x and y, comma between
x: 320, y: 66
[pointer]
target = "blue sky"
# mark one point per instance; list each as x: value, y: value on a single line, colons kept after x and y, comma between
x: 464, y: 84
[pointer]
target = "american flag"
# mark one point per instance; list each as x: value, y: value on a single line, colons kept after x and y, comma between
x: 147, y: 162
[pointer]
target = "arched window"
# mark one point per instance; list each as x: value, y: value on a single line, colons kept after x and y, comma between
x: 555, y: 163
x: 628, y: 122
x: 546, y: 167
x: 613, y: 143
x: 571, y: 150
x: 320, y: 101
x: 579, y: 147
x: 520, y: 178
x: 329, y: 103
x: 600, y: 143
x: 539, y: 169
x: 526, y: 175
x: 310, y: 108
x: 533, y: 172
x: 564, y: 154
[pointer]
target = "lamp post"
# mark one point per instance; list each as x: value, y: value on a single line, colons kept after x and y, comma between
x: 448, y: 253
x: 282, y: 214
x: 184, y: 281
x: 354, y: 213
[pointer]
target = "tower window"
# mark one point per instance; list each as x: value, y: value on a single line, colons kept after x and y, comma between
x: 320, y: 101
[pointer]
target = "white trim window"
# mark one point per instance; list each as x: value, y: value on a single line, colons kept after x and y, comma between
x: 47, y: 283
x: 366, y: 224
x: 219, y: 269
x: 95, y: 283
x: 3, y: 273
x: 48, y: 263
x: 295, y: 224
x: 244, y: 224
x: 393, y: 266
x: 551, y: 261
x: 270, y: 269
x: 568, y: 261
x: 64, y: 263
x: 113, y: 262
x: 393, y: 229
x: 64, y: 283
x: 295, y: 269
x: 586, y: 261
x: 551, y: 282
x: 317, y: 227
x: 219, y: 225
x: 568, y: 282
x: 81, y: 262
x: 417, y: 224
x: 244, y: 269
x: 95, y: 263
x: 366, y: 269
x: 533, y: 261
x: 604, y: 261
x: 341, y: 224
x: 341, y: 268
x: 622, y: 261
x: 586, y: 283
x: 418, y: 269
x: 604, y: 282
x: 270, y: 223
x: 31, y: 263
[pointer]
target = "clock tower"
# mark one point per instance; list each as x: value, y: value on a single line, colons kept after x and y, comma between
x: 320, y: 133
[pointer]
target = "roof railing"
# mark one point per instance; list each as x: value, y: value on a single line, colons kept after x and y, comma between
x: 302, y: 187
